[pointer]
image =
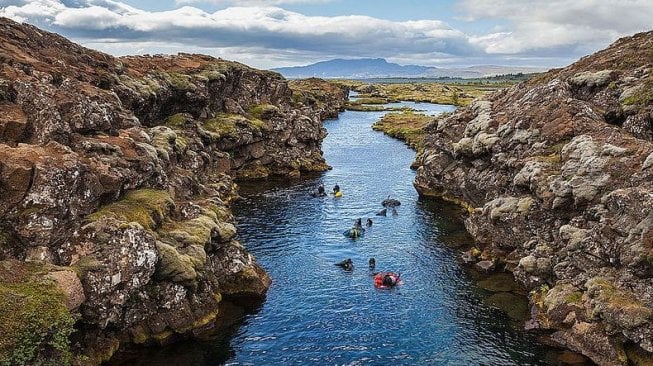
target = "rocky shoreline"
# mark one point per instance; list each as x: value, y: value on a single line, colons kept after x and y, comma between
x: 116, y: 176
x: 555, y: 174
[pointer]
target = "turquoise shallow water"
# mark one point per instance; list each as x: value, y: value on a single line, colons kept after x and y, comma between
x: 318, y: 314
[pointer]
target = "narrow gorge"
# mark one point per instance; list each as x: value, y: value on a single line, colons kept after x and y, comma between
x: 118, y: 176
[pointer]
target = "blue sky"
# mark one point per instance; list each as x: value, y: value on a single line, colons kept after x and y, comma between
x: 273, y: 33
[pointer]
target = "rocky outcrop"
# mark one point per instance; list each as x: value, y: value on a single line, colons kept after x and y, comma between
x: 556, y: 175
x: 116, y: 176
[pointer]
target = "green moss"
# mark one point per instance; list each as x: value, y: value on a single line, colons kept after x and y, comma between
x: 145, y: 87
x: 223, y: 125
x: 85, y: 265
x: 196, y: 231
x: 148, y: 207
x: 574, y: 297
x: 181, y: 82
x: 262, y: 111
x: 643, y: 96
x: 35, y: 324
x: 227, y: 125
x: 256, y: 171
x: 177, y: 121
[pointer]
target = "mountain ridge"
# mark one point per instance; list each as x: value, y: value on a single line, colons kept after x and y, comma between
x: 368, y: 68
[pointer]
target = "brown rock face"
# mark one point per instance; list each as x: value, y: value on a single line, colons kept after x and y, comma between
x: 122, y: 170
x: 556, y: 174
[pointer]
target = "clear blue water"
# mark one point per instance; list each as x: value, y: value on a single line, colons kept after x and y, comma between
x: 318, y: 314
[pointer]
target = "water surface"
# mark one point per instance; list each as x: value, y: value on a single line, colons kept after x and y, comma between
x: 316, y: 313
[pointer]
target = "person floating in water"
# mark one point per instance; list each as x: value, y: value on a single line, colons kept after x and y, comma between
x: 390, y: 202
x: 320, y: 192
x: 369, y: 222
x: 358, y: 224
x: 383, y: 212
x: 336, y: 189
x: 354, y: 232
x: 347, y: 264
x: 371, y: 263
x: 387, y: 280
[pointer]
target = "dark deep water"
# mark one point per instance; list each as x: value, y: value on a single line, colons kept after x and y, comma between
x: 318, y: 314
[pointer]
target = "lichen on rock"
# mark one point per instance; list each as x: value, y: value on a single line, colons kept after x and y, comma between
x: 555, y: 174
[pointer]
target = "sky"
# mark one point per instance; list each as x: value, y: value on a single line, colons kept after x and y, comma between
x: 275, y: 33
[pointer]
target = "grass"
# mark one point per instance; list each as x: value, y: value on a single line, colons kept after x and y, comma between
x: 35, y: 323
x: 148, y: 207
x: 459, y: 94
x: 407, y: 126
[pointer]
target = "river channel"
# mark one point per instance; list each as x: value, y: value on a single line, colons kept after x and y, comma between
x: 316, y: 313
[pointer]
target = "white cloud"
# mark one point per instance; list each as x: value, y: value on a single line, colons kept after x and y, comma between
x: 267, y: 30
x: 581, y: 26
x: 536, y: 32
x: 253, y: 2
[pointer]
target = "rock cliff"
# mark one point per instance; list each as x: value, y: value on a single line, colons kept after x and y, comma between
x: 116, y: 176
x: 557, y: 176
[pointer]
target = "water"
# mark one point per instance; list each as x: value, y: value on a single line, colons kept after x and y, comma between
x: 318, y: 314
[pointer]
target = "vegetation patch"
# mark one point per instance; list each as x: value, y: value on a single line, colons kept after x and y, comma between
x: 177, y: 121
x: 643, y: 97
x: 145, y: 86
x: 195, y: 231
x: 35, y: 323
x: 314, y: 91
x: 460, y: 94
x: 262, y: 111
x: 181, y: 82
x: 227, y: 125
x: 407, y: 126
x: 371, y: 100
x: 148, y: 207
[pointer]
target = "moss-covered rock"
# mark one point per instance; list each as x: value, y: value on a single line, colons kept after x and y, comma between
x: 263, y: 111
x: 148, y: 207
x: 178, y: 267
x: 35, y: 323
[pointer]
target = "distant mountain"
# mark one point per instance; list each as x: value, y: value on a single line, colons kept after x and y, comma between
x: 354, y: 69
x: 370, y: 68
